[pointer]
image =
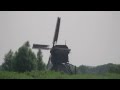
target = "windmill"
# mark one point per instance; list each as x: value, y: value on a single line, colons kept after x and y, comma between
x: 58, y: 60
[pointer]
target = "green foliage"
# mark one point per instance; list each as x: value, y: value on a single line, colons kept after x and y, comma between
x: 114, y: 69
x: 13, y: 75
x: 55, y: 75
x: 0, y: 68
x: 8, y: 61
x: 40, y: 63
x: 106, y: 68
x: 25, y: 59
x: 82, y: 69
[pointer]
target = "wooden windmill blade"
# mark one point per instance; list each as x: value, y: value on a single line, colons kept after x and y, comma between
x: 56, y: 31
x: 40, y: 46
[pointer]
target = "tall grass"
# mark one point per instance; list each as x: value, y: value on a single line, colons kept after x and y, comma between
x: 55, y: 75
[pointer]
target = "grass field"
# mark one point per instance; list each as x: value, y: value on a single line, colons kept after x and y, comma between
x: 55, y: 75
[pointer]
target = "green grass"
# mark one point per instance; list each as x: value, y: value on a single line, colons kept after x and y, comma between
x: 54, y: 75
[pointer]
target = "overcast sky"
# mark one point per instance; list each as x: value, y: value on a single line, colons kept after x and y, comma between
x: 92, y: 36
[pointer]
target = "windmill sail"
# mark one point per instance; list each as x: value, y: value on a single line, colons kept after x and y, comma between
x: 56, y: 31
x: 39, y: 46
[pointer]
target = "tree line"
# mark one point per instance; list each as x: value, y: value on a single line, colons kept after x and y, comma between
x: 106, y: 68
x: 23, y: 60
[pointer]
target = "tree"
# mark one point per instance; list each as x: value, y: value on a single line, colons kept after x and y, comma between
x: 0, y: 67
x: 82, y: 69
x: 40, y: 63
x: 114, y: 68
x: 25, y: 59
x: 8, y: 61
